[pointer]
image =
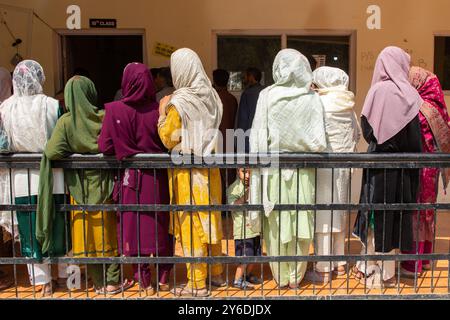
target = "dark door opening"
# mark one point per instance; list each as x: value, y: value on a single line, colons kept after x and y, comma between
x: 103, y: 58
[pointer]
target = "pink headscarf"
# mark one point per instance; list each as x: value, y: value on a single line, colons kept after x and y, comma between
x: 392, y: 102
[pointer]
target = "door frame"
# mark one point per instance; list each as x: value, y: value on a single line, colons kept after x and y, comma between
x: 59, y: 39
x: 284, y: 33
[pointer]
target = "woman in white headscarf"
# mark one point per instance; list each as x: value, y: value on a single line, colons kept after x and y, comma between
x: 343, y: 134
x: 28, y: 118
x: 189, y: 123
x: 289, y: 118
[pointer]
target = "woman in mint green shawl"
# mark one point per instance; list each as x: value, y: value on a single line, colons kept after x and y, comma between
x: 289, y: 118
x: 93, y: 233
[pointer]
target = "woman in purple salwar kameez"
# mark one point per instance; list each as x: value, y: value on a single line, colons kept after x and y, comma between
x: 130, y: 128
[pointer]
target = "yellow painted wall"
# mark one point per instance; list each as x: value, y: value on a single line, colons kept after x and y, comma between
x: 410, y: 24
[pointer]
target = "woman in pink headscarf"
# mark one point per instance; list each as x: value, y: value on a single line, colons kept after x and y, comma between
x: 390, y: 124
x: 435, y: 130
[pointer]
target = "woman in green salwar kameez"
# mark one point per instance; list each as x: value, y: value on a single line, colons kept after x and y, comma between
x: 289, y: 118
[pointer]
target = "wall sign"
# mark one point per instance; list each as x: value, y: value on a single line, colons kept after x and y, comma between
x: 103, y: 23
x: 163, y: 49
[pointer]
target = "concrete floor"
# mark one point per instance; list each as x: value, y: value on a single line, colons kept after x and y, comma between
x: 431, y: 282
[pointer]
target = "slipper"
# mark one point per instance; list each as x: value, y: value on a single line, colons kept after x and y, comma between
x: 190, y: 292
x: 127, y: 284
x: 342, y: 272
x: 219, y: 283
x: 254, y: 279
x: 408, y: 274
x: 357, y: 273
x: 318, y: 277
x: 243, y: 285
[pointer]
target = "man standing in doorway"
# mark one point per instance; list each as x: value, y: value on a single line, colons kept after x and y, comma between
x: 163, y: 82
x: 230, y: 108
x: 249, y: 99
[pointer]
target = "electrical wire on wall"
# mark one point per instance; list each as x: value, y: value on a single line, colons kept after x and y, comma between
x: 17, y: 41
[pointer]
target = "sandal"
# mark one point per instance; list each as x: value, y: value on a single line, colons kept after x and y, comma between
x: 341, y: 272
x: 243, y: 285
x: 149, y: 291
x: 426, y: 267
x: 127, y: 284
x: 408, y: 274
x: 164, y: 287
x: 359, y: 275
x: 316, y: 277
x: 254, y: 279
x: 47, y: 289
x: 218, y: 282
x: 190, y: 292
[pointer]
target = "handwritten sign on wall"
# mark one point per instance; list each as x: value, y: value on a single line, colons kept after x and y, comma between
x: 162, y: 49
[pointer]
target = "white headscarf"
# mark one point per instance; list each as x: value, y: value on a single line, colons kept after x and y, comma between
x: 333, y: 89
x: 5, y: 84
x: 342, y: 125
x: 197, y: 103
x: 289, y: 116
x: 25, y: 115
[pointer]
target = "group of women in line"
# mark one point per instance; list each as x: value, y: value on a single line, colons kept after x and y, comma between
x: 303, y: 111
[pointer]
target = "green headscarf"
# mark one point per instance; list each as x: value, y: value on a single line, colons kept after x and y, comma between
x: 75, y: 132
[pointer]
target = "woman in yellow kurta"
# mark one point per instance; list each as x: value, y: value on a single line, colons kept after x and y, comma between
x: 195, y: 111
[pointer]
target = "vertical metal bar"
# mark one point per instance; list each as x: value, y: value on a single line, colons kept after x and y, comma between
x: 176, y: 215
x: 279, y: 231
x: 245, y: 234
x: 331, y: 231
x: 227, y: 231
x: 66, y: 231
x: 349, y: 216
x: 119, y: 171
x: 103, y: 236
x: 401, y: 226
x: 262, y: 220
x: 138, y: 227
x: 369, y: 213
x: 297, y: 195
x: 13, y: 227
x: 315, y: 227
x: 30, y: 226
x: 210, y: 230
x: 193, y: 280
x: 417, y: 237
x: 86, y: 252
x: 156, y: 193
x: 384, y: 220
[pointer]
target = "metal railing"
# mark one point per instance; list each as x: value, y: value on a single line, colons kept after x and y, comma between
x: 347, y: 287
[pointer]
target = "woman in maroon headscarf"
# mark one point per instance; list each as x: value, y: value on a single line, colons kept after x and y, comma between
x: 130, y: 128
x: 435, y: 131
x: 390, y: 124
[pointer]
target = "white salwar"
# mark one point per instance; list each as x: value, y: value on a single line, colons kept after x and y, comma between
x: 343, y: 134
x: 28, y: 118
x: 289, y: 118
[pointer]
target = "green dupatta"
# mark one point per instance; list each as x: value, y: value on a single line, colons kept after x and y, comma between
x: 75, y: 132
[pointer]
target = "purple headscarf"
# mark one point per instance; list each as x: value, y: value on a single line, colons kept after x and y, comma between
x: 392, y: 102
x: 138, y: 87
x: 130, y: 124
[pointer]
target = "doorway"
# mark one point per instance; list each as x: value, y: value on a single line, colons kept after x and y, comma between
x: 101, y: 57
